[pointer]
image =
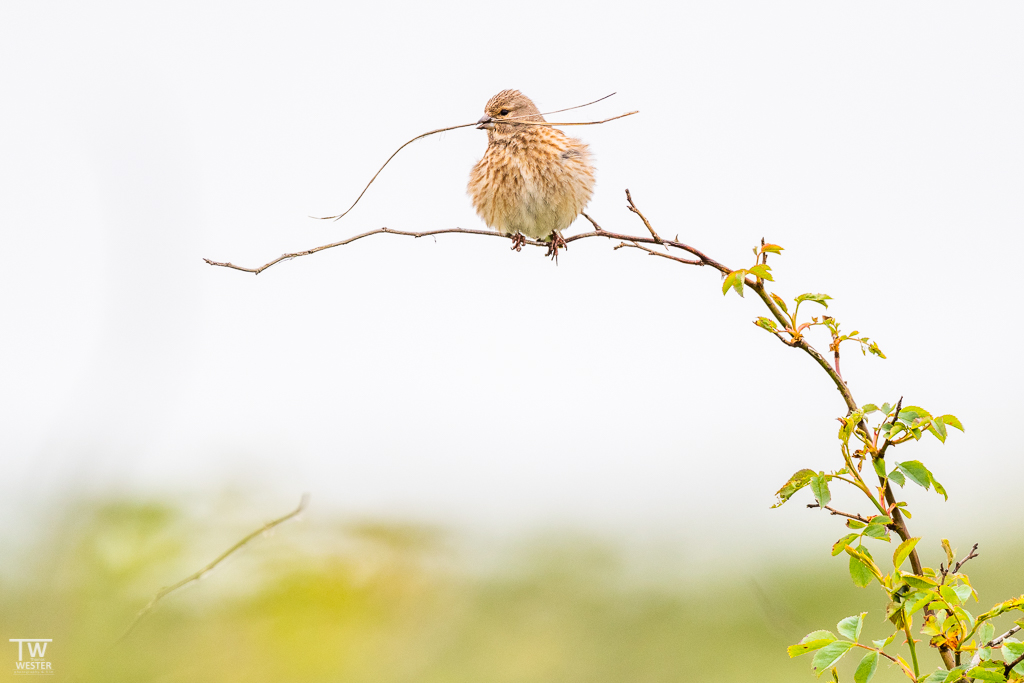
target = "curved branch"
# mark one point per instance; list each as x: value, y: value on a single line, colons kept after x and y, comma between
x: 163, y: 592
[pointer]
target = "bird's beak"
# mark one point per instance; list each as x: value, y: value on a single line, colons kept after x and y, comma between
x: 486, y: 123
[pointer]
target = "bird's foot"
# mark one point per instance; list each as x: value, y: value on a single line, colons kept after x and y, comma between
x: 518, y: 241
x: 554, y: 245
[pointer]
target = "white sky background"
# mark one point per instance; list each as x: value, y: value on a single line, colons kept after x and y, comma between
x: 457, y: 381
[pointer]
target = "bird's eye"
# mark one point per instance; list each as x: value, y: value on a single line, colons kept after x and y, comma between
x: 503, y: 112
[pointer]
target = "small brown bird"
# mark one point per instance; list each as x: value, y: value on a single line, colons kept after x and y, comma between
x: 533, y: 181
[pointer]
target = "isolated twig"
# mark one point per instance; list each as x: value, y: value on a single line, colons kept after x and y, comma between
x: 475, y: 123
x: 632, y: 207
x: 859, y: 518
x: 163, y: 592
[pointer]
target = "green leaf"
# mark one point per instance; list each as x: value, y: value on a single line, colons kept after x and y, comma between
x: 869, y: 408
x: 911, y: 606
x: 951, y: 420
x: 851, y: 626
x: 772, y: 249
x: 938, y: 487
x: 903, y: 551
x: 886, y: 408
x: 826, y: 657
x: 862, y: 567
x: 812, y: 641
x: 936, y: 677
x: 819, y: 486
x: 799, y: 480
x: 983, y: 674
x: 916, y: 472
x: 963, y: 592
x: 938, y: 430
x: 911, y: 413
x: 897, y: 477
x: 879, y: 465
x: 1012, y: 650
x: 985, y: 632
x: 866, y: 668
x: 735, y: 281
x: 762, y: 270
x: 841, y: 544
x: 884, y: 643
x: 877, y: 531
x: 955, y: 674
x: 950, y: 596
x: 816, y: 298
x: 766, y: 324
x: 854, y: 524
x: 921, y: 583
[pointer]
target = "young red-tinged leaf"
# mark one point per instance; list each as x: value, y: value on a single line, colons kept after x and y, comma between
x: 763, y: 271
x: 903, y: 551
x: 772, y: 249
x: 982, y: 674
x: 841, y: 544
x: 819, y: 486
x: 952, y: 421
x: 866, y: 668
x: 735, y: 281
x: 799, y: 480
x: 766, y: 324
x: 1010, y: 651
x: 780, y: 302
x: 877, y: 531
x: 828, y: 656
x: 916, y: 472
x: 850, y: 627
x: 816, y: 298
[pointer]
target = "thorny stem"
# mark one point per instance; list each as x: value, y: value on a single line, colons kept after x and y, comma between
x: 797, y: 341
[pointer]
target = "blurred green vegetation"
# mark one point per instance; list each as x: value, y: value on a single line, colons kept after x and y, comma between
x: 333, y: 601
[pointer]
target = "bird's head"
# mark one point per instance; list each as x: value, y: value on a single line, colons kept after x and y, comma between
x: 510, y: 106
